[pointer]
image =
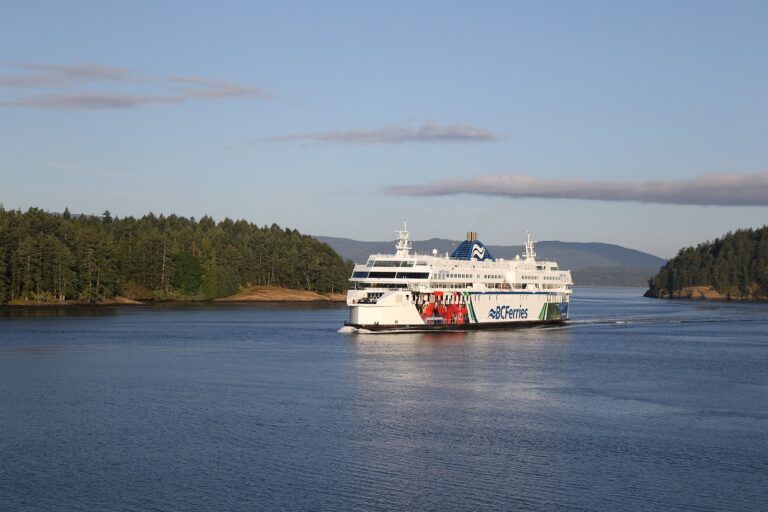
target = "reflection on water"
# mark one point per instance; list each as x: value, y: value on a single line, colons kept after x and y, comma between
x: 106, y: 310
x: 636, y: 404
x: 471, y: 409
x: 55, y: 311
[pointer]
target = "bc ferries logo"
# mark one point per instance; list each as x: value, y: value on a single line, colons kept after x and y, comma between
x: 508, y: 313
x: 478, y: 252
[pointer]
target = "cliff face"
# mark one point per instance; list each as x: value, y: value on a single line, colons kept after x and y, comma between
x: 734, y: 267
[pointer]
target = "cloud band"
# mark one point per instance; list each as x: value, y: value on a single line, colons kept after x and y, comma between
x: 427, y: 132
x: 710, y: 189
x: 58, y: 77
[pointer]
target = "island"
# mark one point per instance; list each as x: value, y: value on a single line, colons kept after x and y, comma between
x: 734, y: 267
x: 61, y: 259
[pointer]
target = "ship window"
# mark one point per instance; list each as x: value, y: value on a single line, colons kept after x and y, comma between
x: 406, y: 264
x: 412, y: 275
x: 386, y: 263
x: 361, y: 275
x: 381, y: 275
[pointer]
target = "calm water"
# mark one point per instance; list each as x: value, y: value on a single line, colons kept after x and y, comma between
x: 638, y: 404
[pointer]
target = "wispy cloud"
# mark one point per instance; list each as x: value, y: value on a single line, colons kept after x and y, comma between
x: 66, y: 84
x: 60, y: 75
x: 218, y: 88
x: 427, y: 132
x: 90, y: 101
x: 709, y: 189
x: 87, y: 71
x: 31, y: 80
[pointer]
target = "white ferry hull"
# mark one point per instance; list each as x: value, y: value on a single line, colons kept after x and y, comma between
x: 397, y: 311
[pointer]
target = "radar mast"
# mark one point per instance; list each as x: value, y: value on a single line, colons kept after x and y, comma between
x: 530, y: 254
x: 403, y: 245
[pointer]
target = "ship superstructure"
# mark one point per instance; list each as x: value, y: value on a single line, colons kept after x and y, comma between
x: 468, y: 289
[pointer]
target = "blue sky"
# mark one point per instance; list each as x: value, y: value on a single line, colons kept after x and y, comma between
x: 318, y: 115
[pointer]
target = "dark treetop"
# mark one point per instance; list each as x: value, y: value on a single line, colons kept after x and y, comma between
x: 53, y: 257
x: 735, y: 266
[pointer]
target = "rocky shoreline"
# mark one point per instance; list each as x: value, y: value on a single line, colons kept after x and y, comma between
x: 702, y: 293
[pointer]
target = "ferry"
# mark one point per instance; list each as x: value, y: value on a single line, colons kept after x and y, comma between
x: 468, y: 289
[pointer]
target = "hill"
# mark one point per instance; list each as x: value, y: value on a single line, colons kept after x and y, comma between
x: 734, y: 267
x: 592, y: 263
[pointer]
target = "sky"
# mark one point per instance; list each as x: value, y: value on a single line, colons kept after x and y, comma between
x: 643, y: 124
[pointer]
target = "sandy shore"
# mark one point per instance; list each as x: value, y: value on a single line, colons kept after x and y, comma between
x: 277, y: 294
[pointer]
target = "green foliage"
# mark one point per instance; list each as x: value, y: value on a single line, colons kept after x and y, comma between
x: 51, y: 257
x: 735, y: 265
x: 187, y: 273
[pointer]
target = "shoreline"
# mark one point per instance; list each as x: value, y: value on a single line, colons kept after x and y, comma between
x: 702, y: 293
x: 256, y: 294
x: 278, y: 294
x: 746, y: 300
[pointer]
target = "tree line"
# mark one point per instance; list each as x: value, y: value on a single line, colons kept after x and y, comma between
x: 735, y: 265
x: 58, y: 257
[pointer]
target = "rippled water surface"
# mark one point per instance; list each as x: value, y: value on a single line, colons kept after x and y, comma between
x: 637, y: 404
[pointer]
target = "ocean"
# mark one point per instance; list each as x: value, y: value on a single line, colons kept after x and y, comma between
x: 636, y: 404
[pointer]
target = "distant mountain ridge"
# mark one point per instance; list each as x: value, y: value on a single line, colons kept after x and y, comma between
x: 570, y: 255
x: 592, y: 263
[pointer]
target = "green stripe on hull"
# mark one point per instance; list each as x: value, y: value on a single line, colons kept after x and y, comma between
x: 472, y: 316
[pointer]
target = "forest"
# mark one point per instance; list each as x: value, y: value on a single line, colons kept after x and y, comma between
x: 736, y: 266
x: 51, y: 257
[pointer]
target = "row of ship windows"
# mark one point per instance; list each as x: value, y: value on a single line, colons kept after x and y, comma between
x: 390, y: 286
x: 390, y: 275
x: 469, y: 276
x: 546, y: 278
x: 425, y: 275
x: 390, y: 263
x: 503, y: 297
x: 451, y: 286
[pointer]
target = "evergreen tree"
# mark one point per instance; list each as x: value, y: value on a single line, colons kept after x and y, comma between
x: 50, y: 257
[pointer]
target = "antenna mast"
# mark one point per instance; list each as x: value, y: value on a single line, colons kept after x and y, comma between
x: 403, y: 245
x: 530, y: 254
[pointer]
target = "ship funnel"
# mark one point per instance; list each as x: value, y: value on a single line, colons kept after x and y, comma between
x: 471, y: 236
